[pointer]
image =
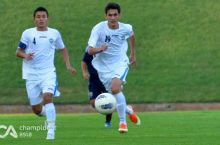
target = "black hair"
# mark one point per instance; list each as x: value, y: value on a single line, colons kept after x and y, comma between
x: 112, y: 5
x: 40, y: 9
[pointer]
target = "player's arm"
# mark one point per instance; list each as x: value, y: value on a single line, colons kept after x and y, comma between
x: 66, y: 60
x: 93, y: 41
x: 84, y: 70
x: 93, y: 51
x: 21, y: 53
x: 132, y: 50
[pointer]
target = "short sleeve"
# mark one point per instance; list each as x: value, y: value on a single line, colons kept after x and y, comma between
x: 93, y: 37
x: 130, y: 31
x: 59, y: 42
x: 23, y: 41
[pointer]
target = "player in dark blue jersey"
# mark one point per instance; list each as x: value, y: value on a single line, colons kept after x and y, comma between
x: 95, y: 86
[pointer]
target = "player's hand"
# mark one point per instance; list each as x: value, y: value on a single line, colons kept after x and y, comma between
x: 132, y: 60
x: 103, y: 47
x: 29, y: 56
x: 72, y: 70
x: 85, y: 76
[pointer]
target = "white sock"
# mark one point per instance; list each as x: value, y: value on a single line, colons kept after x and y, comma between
x: 43, y: 113
x: 50, y: 115
x: 129, y: 110
x: 121, y: 106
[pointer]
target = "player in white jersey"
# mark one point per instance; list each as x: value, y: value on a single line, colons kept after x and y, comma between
x: 106, y: 43
x: 37, y: 48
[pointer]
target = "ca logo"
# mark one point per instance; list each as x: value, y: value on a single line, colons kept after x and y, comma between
x: 9, y: 131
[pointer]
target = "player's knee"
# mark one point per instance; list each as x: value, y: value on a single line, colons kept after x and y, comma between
x: 115, y: 89
x: 48, y: 98
x: 37, y: 111
x: 116, y: 86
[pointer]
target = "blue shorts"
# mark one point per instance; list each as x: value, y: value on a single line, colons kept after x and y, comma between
x: 95, y: 88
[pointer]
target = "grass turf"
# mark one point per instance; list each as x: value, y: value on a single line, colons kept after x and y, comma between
x: 157, y: 128
x: 177, y: 48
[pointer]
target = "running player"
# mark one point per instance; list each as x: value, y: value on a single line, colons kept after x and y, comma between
x: 106, y: 42
x: 37, y: 48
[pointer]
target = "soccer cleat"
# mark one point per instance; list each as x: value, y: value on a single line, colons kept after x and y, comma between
x: 50, y: 134
x: 108, y: 125
x: 123, y: 128
x: 51, y: 130
x: 134, y: 118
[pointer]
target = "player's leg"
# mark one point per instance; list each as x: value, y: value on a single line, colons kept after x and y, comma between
x: 95, y: 88
x: 108, y: 117
x: 49, y: 89
x: 121, y: 103
x: 122, y: 108
x: 91, y: 94
x: 132, y: 115
x: 113, y: 84
x: 92, y: 103
x: 39, y: 110
x: 50, y: 114
x: 34, y: 96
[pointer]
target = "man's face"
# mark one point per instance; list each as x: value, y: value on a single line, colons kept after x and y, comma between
x: 41, y: 19
x: 112, y: 16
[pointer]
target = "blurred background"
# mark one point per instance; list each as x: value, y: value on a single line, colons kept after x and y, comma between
x: 177, y: 47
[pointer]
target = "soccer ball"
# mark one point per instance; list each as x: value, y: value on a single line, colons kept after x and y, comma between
x: 105, y: 103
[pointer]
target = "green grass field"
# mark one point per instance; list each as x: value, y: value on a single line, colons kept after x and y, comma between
x: 177, y: 48
x: 158, y: 128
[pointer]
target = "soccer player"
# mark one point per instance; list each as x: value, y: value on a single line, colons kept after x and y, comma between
x: 106, y: 42
x: 95, y: 86
x: 37, y: 48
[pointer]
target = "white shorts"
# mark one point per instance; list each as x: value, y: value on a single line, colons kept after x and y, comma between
x: 45, y: 84
x: 106, y: 77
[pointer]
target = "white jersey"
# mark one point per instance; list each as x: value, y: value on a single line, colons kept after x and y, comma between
x: 42, y: 44
x: 116, y: 39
